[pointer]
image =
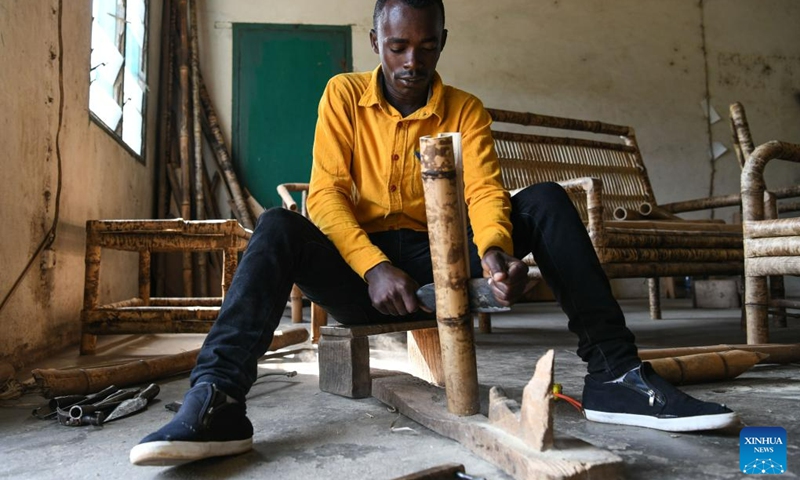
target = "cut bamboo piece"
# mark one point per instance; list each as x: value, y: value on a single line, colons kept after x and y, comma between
x: 82, y: 381
x: 777, y: 353
x: 445, y: 229
x: 706, y: 367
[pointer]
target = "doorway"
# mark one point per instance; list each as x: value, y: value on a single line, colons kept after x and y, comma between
x: 279, y: 74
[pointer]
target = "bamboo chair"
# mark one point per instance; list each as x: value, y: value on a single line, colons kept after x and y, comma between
x: 319, y: 317
x: 743, y: 146
x: 771, y: 245
x: 143, y: 313
x: 607, y: 180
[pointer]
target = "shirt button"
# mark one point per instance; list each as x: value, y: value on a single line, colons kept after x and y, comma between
x: 395, y: 157
x: 393, y: 188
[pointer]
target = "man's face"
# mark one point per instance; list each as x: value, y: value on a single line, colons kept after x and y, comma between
x: 409, y: 41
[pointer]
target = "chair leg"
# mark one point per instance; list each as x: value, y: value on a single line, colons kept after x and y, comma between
x: 485, y: 323
x: 756, y: 299
x: 319, y: 318
x: 91, y: 291
x: 654, y: 287
x: 296, y: 298
x: 778, y: 291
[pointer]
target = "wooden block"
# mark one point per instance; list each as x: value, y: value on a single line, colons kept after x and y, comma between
x: 425, y: 355
x: 344, y: 366
x: 533, y: 423
x: 426, y: 404
x: 485, y: 322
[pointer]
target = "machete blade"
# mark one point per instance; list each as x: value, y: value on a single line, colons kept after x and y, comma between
x: 481, y: 298
x: 135, y: 404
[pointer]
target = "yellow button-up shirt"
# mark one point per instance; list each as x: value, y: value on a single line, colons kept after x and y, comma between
x: 366, y: 177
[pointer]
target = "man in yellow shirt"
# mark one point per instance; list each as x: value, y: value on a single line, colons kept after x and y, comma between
x: 367, y: 250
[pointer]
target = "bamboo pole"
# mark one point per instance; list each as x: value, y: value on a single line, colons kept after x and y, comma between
x: 778, y: 353
x: 82, y: 381
x: 218, y: 146
x: 163, y: 132
x: 706, y: 367
x: 445, y: 227
x: 183, y: 136
x: 199, y: 168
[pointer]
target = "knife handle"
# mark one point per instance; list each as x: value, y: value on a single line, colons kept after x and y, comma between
x: 150, y: 392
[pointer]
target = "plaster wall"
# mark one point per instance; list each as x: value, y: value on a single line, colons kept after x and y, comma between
x: 644, y: 63
x: 100, y: 178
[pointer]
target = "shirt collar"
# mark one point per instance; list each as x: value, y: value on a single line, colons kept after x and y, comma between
x: 373, y: 95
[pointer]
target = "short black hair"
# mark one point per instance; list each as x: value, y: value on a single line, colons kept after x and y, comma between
x: 379, y: 4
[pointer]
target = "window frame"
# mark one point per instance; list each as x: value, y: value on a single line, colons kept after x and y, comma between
x: 117, y: 136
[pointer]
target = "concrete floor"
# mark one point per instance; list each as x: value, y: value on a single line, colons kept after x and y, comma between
x: 302, y: 433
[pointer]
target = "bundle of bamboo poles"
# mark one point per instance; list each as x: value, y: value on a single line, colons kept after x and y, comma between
x: 188, y: 128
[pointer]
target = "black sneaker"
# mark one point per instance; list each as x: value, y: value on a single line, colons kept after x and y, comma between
x: 207, y: 425
x: 644, y: 399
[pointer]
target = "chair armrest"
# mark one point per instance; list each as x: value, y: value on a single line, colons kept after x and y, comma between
x: 286, y: 197
x: 705, y: 203
x: 593, y: 188
x: 753, y: 185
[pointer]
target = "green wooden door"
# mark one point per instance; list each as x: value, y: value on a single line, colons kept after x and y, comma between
x: 279, y: 73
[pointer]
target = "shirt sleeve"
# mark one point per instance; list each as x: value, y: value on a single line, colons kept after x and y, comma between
x: 330, y: 198
x: 488, y: 202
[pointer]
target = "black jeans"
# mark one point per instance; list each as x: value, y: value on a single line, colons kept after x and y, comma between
x: 286, y: 248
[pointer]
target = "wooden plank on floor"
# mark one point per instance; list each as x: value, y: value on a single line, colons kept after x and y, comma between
x: 427, y: 405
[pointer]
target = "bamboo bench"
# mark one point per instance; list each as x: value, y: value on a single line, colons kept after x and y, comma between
x: 605, y: 176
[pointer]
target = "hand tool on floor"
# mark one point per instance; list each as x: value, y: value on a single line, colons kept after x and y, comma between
x: 135, y: 404
x: 481, y: 298
x: 65, y: 402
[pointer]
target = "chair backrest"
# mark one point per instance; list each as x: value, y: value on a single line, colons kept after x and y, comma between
x: 542, y: 156
x: 740, y: 130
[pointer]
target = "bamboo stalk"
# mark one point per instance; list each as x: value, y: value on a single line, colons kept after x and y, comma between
x: 212, y: 211
x: 783, y: 246
x: 778, y: 353
x: 678, y: 254
x: 660, y: 269
x: 765, y: 266
x: 676, y: 240
x: 199, y: 168
x: 532, y: 119
x: 445, y: 226
x: 218, y: 146
x: 706, y: 367
x: 163, y: 132
x: 183, y: 136
x: 783, y: 227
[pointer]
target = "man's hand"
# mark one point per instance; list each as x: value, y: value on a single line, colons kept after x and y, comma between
x: 391, y: 290
x: 507, y: 275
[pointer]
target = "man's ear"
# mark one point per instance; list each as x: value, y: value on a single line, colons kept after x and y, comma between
x: 444, y: 39
x: 373, y: 40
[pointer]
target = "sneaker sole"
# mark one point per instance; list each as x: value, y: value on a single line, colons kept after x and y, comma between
x: 165, y: 453
x: 683, y: 424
